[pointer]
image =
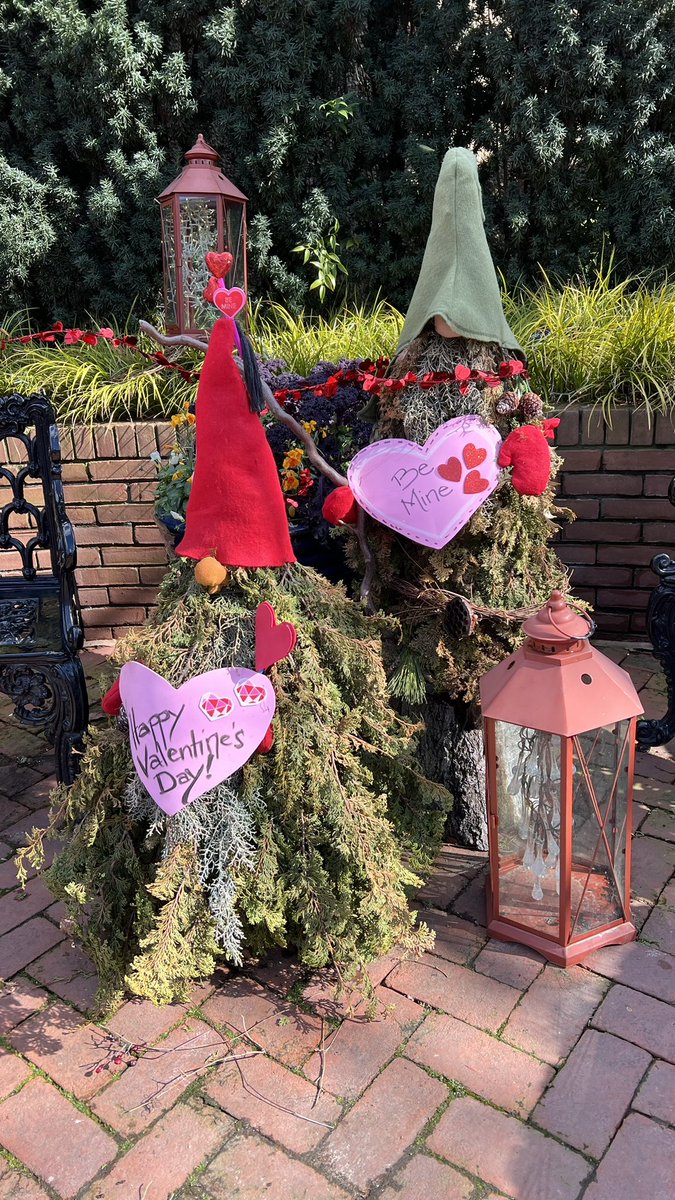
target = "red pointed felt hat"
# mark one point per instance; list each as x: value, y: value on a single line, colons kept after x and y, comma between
x: 236, y: 509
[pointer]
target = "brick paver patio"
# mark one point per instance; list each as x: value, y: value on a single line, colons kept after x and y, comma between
x: 487, y: 1074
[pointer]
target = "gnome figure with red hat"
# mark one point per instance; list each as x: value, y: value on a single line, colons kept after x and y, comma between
x: 301, y: 847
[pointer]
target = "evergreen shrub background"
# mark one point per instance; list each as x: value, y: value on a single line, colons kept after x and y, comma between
x: 572, y: 109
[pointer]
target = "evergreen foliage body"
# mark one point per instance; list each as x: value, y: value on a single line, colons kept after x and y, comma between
x: 323, y: 110
x: 501, y: 560
x: 299, y: 849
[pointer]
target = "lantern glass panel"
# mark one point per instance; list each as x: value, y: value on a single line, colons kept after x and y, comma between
x: 169, y: 248
x: 600, y: 818
x: 528, y: 804
x: 199, y: 234
x: 234, y: 238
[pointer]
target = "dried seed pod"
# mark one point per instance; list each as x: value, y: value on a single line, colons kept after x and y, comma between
x: 507, y: 404
x: 460, y: 619
x: 532, y: 405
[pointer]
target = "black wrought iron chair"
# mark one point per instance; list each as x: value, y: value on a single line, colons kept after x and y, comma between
x: 40, y: 625
x: 661, y: 631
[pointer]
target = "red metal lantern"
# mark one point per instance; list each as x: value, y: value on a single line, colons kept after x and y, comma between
x: 559, y: 721
x: 201, y: 211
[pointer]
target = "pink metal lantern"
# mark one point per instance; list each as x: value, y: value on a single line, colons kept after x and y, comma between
x: 559, y: 722
x: 201, y: 211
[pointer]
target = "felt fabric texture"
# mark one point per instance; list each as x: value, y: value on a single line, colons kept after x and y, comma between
x: 236, y: 509
x: 112, y: 701
x: 457, y: 279
x: 340, y: 507
x: 528, y: 452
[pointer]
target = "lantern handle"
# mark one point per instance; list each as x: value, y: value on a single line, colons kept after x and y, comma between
x: 583, y: 637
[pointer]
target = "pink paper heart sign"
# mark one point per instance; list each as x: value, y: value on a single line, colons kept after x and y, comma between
x: 186, y: 740
x: 427, y: 492
x: 273, y: 640
x: 230, y: 301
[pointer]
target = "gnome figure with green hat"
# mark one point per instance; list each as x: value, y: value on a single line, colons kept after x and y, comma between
x: 460, y: 607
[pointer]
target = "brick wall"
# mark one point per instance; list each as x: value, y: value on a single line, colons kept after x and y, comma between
x: 109, y: 484
x: 616, y: 479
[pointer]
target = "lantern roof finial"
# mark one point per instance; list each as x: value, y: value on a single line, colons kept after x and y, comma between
x: 558, y: 625
x: 201, y: 152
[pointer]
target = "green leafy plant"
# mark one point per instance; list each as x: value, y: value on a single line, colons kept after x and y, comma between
x: 340, y: 109
x: 321, y: 252
x: 174, y: 474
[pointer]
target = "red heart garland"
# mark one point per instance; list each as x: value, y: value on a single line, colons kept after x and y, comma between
x: 219, y: 264
x: 451, y: 470
x: 473, y: 457
x: 273, y: 641
x: 473, y: 483
x: 230, y: 301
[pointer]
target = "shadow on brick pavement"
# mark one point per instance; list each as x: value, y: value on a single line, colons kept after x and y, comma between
x: 485, y: 1073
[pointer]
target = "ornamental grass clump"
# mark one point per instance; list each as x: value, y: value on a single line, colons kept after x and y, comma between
x: 358, y: 331
x: 92, y: 380
x: 302, y: 848
x: 599, y: 341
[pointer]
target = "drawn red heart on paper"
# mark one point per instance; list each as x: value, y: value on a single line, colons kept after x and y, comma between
x: 230, y: 301
x: 473, y: 456
x: 474, y: 482
x: 450, y: 470
x: 219, y: 264
x: 273, y: 640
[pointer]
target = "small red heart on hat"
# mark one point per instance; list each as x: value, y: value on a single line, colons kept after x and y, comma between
x: 474, y: 482
x: 230, y: 301
x: 451, y: 470
x: 273, y: 640
x: 473, y: 457
x: 219, y: 264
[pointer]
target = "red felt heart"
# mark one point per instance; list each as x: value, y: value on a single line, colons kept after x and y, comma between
x: 474, y: 482
x: 230, y: 301
x: 473, y: 457
x: 451, y: 470
x: 219, y: 264
x: 273, y: 641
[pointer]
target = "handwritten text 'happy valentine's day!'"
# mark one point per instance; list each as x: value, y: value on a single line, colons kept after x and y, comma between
x: 160, y: 752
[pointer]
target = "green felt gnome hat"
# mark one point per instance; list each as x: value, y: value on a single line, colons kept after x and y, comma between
x: 457, y: 280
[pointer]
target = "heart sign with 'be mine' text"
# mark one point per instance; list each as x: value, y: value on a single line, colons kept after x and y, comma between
x: 186, y: 740
x: 428, y: 492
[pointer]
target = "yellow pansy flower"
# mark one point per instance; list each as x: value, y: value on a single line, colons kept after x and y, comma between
x: 294, y: 458
x: 290, y: 483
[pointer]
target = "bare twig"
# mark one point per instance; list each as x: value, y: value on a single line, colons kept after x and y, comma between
x: 438, y: 598
x: 301, y: 433
x: 273, y: 1104
x: 179, y: 339
x: 368, y: 558
x: 321, y: 1049
x: 169, y: 1083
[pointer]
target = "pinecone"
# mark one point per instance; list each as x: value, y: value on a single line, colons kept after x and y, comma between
x: 532, y: 405
x: 508, y: 403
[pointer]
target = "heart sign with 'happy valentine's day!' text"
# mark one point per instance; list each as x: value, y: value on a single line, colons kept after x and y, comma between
x: 429, y: 492
x: 186, y: 740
